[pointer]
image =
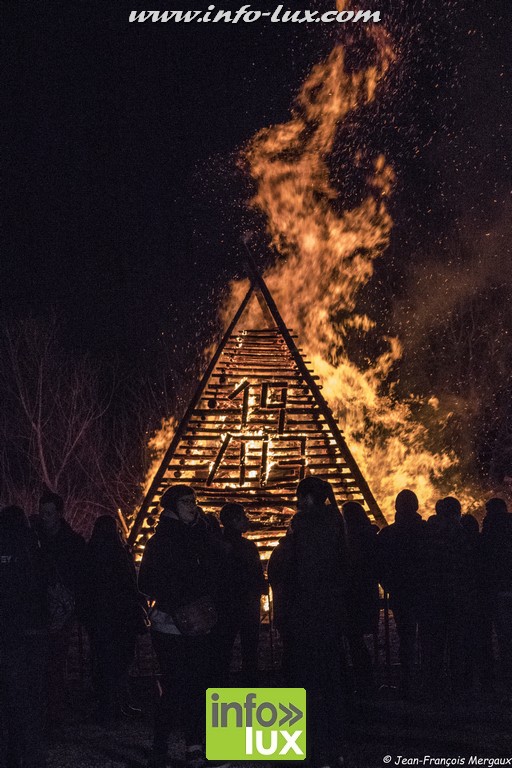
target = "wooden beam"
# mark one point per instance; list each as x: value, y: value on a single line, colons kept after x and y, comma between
x: 184, y: 421
x: 258, y: 282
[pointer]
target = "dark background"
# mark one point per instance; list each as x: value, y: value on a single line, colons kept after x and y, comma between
x: 120, y: 144
x: 125, y: 199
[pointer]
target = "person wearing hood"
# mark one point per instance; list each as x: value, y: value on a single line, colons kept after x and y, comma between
x: 307, y: 572
x: 179, y: 573
x: 401, y: 561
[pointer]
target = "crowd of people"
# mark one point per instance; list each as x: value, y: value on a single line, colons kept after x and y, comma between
x: 199, y: 586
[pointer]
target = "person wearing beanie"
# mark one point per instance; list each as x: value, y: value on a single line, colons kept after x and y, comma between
x: 179, y: 573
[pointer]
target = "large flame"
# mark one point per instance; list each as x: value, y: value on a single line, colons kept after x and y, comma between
x: 157, y: 445
x: 326, y: 257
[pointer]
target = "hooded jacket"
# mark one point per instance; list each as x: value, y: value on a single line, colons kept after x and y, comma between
x: 308, y: 575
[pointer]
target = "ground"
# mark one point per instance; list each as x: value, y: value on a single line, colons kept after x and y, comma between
x: 378, y: 727
x: 382, y: 727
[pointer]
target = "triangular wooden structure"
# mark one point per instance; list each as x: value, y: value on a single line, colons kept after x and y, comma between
x: 258, y: 423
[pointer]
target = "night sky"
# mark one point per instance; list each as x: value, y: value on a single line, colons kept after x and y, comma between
x: 124, y: 199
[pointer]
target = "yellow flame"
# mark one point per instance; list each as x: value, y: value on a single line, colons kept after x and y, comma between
x: 326, y: 258
x: 157, y: 446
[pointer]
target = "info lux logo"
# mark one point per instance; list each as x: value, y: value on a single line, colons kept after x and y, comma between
x: 256, y: 724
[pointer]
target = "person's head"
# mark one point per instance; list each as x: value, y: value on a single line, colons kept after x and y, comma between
x: 312, y: 493
x: 497, y: 521
x: 181, y: 501
x: 13, y: 519
x: 449, y: 508
x: 51, y: 509
x: 470, y: 524
x: 496, y: 506
x: 106, y: 531
x: 355, y: 516
x: 233, y: 518
x: 406, y: 505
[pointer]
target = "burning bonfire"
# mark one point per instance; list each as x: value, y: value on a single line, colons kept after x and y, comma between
x: 325, y: 257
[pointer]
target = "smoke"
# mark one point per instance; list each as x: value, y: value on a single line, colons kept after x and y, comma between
x: 474, y: 263
x: 455, y: 326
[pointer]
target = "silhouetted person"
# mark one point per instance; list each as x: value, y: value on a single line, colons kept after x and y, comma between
x: 23, y: 640
x: 115, y: 615
x: 307, y: 572
x: 242, y: 584
x: 496, y: 588
x: 449, y: 584
x: 402, y: 566
x: 63, y: 550
x: 472, y: 654
x: 470, y: 525
x: 179, y: 568
x: 363, y: 591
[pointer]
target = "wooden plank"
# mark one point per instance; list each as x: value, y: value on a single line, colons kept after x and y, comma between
x: 363, y: 485
x: 184, y: 421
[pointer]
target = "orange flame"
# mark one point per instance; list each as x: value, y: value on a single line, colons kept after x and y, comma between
x: 157, y: 446
x: 326, y: 258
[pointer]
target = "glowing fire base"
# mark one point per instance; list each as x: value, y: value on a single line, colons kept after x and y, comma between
x: 257, y: 424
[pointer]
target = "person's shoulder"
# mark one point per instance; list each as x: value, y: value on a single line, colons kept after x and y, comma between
x: 157, y: 539
x: 251, y: 549
x: 166, y: 528
x: 434, y: 528
x: 387, y: 532
x: 284, y: 546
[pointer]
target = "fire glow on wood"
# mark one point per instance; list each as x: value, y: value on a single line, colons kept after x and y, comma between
x: 325, y: 258
x: 256, y: 426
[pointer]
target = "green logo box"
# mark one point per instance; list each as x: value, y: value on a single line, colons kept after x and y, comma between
x: 256, y: 724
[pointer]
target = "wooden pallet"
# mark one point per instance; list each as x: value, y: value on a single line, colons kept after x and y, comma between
x: 257, y: 424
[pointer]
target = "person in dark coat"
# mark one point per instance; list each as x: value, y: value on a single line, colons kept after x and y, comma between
x: 362, y: 591
x: 473, y: 653
x: 63, y: 550
x: 115, y: 611
x: 495, y: 583
x: 401, y: 554
x: 307, y: 572
x: 470, y: 525
x: 242, y: 584
x: 449, y: 584
x: 23, y: 640
x: 179, y: 568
